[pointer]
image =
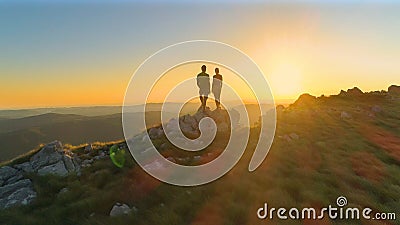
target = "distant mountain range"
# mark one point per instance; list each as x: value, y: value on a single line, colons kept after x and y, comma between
x: 17, y: 136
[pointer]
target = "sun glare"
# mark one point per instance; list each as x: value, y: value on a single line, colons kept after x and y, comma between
x: 285, y: 81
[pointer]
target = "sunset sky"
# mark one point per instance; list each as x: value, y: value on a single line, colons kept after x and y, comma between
x: 65, y: 53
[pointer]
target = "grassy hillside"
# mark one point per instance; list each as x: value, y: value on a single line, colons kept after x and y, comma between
x: 323, y: 148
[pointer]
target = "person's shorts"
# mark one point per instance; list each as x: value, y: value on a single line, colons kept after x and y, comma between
x: 217, y: 95
x: 204, y: 92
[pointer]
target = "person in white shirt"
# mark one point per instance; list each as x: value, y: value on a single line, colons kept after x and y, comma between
x: 203, y: 82
x: 216, y: 88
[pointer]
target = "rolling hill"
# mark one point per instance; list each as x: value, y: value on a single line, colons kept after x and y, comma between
x: 18, y: 136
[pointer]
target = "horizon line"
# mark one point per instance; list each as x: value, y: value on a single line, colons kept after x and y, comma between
x: 278, y: 101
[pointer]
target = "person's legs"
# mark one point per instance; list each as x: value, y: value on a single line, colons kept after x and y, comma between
x: 217, y: 103
x: 205, y: 102
x: 201, y: 100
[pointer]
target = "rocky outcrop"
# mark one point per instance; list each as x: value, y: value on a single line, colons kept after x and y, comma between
x: 14, y: 189
x: 353, y: 92
x: 394, y: 90
x: 121, y: 209
x: 189, y: 124
x: 52, y: 159
x: 305, y: 100
x: 18, y: 193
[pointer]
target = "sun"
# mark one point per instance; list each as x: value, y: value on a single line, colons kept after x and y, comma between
x: 286, y: 81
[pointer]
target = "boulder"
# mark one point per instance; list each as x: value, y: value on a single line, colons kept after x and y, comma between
x: 294, y: 136
x: 120, y: 209
x: 54, y: 169
x: 49, y: 154
x: 22, y: 196
x: 52, y: 159
x: 7, y: 172
x: 6, y: 190
x: 354, y: 92
x: 25, y: 167
x: 305, y: 100
x: 189, y: 121
x: 394, y: 90
x: 14, y: 178
x: 280, y: 108
x: 155, y: 132
x: 69, y: 164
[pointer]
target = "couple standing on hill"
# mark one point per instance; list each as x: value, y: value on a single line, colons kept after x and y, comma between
x: 203, y: 82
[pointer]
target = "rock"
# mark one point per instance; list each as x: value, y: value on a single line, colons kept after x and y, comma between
x: 394, y: 90
x: 22, y: 196
x: 155, y: 132
x: 49, y: 154
x: 186, y: 127
x: 155, y: 165
x: 14, y: 178
x: 64, y: 190
x: 294, y: 136
x: 190, y: 121
x: 305, y: 100
x: 69, y: 164
x: 120, y: 209
x: 54, y: 169
x: 287, y: 138
x: 103, y: 155
x: 354, y: 91
x: 25, y: 167
x: 163, y: 146
x: 87, y: 163
x: 345, y: 115
x: 10, y: 188
x: 197, y: 158
x: 376, y: 108
x: 7, y: 172
x: 88, y: 148
x: 76, y: 160
x: 280, y: 108
x: 199, y: 115
x: 171, y: 159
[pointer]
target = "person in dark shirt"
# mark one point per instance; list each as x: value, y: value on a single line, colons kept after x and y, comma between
x: 203, y: 82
